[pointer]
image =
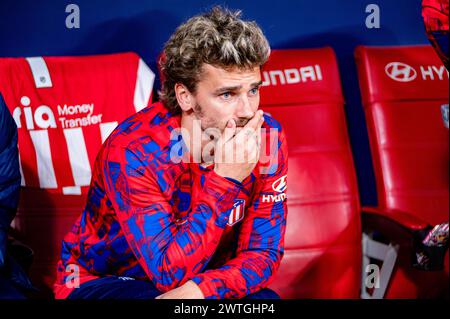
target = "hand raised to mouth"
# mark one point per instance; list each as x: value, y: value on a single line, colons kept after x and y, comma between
x: 237, y: 153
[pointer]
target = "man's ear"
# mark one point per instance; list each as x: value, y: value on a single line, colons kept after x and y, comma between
x: 184, y: 97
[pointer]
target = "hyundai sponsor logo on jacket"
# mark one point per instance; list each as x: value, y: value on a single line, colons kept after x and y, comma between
x: 279, y: 186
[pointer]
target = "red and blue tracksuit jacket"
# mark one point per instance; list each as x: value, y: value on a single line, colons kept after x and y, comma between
x: 151, y: 217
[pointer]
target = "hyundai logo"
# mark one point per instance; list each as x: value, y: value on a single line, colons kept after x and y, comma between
x: 280, y: 184
x: 400, y: 72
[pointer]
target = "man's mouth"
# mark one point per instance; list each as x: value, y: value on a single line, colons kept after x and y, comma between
x: 241, y: 123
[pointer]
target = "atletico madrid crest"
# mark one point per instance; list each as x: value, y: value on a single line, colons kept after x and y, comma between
x: 237, y: 213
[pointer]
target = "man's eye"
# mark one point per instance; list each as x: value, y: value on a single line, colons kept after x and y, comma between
x: 226, y: 95
x: 254, y: 91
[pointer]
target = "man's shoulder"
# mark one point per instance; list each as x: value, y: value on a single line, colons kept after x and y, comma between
x: 144, y: 140
x: 272, y: 129
x: 273, y: 156
x: 153, y: 123
x: 271, y: 123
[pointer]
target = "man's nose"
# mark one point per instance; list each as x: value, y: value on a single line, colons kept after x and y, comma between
x: 244, y: 109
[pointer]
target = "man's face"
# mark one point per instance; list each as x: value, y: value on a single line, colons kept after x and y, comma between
x: 222, y: 95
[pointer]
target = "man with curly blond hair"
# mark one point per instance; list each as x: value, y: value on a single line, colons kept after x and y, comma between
x: 181, y: 203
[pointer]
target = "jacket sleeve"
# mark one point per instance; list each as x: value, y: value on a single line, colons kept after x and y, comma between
x: 9, y: 175
x: 260, y: 242
x: 170, y: 253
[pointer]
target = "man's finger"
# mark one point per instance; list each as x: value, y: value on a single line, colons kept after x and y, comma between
x: 254, y: 122
x: 260, y: 123
x: 254, y: 128
x: 229, y: 131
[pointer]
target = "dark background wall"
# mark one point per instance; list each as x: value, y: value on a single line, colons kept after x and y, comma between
x: 34, y: 28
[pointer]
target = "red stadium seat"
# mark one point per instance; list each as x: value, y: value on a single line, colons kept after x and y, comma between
x: 64, y: 108
x: 403, y: 91
x: 302, y: 90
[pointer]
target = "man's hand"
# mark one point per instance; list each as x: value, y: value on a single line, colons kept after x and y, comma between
x: 189, y: 290
x: 236, y: 155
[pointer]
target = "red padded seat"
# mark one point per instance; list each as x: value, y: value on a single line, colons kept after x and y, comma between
x: 302, y: 90
x: 403, y: 91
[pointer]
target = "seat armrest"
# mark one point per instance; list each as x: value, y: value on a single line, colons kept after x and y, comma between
x: 402, y: 218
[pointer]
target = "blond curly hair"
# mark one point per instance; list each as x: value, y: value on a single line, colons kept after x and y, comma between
x: 219, y: 38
